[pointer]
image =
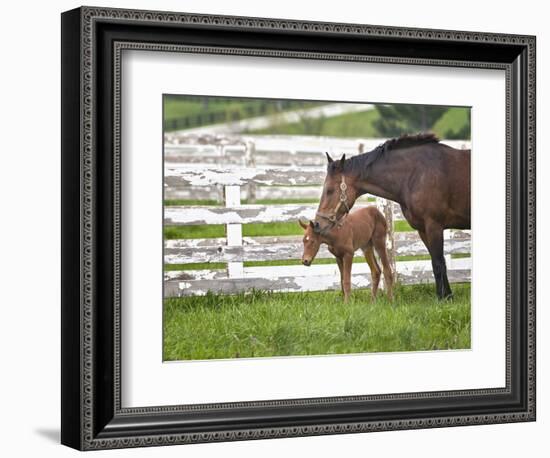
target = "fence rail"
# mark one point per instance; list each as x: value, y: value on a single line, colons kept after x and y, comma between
x: 276, y: 150
x: 261, y: 192
x: 245, y: 214
x: 201, y: 175
x: 298, y: 279
x: 290, y: 247
x: 199, y: 171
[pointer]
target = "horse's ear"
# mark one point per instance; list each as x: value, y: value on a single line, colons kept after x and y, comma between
x: 312, y: 224
x: 303, y: 223
x: 342, y: 162
x: 330, y: 160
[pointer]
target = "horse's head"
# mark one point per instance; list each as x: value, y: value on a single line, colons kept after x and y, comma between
x: 339, y: 195
x: 312, y: 242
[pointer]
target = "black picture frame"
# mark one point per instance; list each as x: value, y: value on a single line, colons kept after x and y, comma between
x: 92, y: 416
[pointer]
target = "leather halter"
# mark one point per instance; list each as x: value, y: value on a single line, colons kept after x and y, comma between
x: 332, y: 217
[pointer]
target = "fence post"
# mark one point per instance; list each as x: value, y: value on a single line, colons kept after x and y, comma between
x: 234, y: 232
x: 250, y: 161
x: 220, y: 190
x: 386, y: 207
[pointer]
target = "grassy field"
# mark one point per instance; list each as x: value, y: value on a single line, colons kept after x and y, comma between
x: 201, y: 111
x: 347, y: 125
x: 315, y: 323
x: 455, y: 122
x: 361, y: 124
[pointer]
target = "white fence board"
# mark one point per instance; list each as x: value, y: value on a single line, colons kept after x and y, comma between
x: 314, y: 270
x: 246, y: 214
x: 188, y: 251
x: 297, y: 279
x: 449, y: 234
x: 262, y: 192
x: 177, y: 175
x: 277, y: 150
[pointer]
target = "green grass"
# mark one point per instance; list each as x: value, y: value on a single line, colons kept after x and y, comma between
x: 218, y: 230
x: 318, y: 323
x: 346, y: 125
x: 200, y: 231
x: 402, y: 226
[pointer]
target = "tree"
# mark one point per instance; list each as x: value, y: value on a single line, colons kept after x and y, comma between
x: 406, y: 119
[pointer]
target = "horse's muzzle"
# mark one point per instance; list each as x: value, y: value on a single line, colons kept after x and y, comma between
x: 306, y: 262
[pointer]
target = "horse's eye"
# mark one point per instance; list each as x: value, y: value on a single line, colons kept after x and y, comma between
x: 330, y: 191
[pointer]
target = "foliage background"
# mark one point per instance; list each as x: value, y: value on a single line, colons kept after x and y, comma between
x: 183, y: 111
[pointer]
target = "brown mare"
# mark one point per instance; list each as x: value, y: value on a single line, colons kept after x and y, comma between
x: 363, y: 229
x: 430, y: 180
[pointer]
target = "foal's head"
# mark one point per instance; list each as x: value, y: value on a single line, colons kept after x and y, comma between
x: 339, y: 195
x: 312, y: 242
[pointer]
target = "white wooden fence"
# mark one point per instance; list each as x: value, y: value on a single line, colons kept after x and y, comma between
x: 187, y: 176
x: 267, y: 151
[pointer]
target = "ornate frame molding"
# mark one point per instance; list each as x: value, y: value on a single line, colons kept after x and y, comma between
x: 89, y: 433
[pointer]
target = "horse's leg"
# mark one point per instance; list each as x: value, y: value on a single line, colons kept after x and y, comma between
x: 375, y: 271
x: 346, y: 281
x: 433, y: 239
x: 340, y: 263
x: 379, y: 240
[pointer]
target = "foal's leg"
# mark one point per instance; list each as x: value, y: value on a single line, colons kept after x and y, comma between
x: 346, y: 281
x: 340, y: 263
x: 379, y: 241
x: 375, y: 271
x: 433, y: 239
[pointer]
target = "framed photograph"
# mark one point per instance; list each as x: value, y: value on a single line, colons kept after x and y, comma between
x: 276, y: 228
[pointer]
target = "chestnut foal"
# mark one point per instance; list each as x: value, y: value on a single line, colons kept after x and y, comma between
x: 363, y: 229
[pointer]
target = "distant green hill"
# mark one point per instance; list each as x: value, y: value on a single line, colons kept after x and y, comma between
x: 184, y: 112
x: 347, y: 125
x: 453, y: 124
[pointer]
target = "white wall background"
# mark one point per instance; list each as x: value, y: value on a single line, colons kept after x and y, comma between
x: 30, y: 240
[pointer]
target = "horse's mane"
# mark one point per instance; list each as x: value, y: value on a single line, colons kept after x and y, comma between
x: 358, y: 165
x: 407, y: 140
